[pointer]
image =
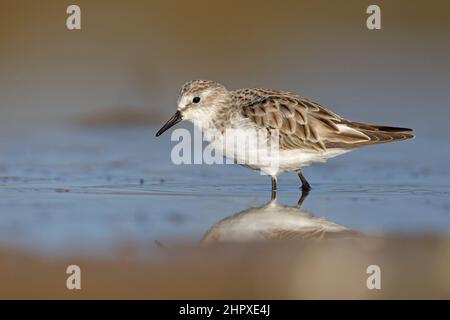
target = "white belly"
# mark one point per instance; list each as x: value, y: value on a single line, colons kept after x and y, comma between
x: 291, y: 160
x: 246, y: 148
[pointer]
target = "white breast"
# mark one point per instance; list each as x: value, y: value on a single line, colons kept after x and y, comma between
x: 248, y: 145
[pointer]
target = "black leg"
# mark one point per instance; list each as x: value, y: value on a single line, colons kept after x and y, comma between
x: 274, y: 188
x: 302, y: 198
x: 305, y: 185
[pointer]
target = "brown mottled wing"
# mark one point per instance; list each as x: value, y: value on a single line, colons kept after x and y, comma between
x: 307, y: 125
x: 301, y: 123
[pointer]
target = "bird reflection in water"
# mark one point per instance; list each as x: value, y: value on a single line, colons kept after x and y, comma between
x: 273, y: 221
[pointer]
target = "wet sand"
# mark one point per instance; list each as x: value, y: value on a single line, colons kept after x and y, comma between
x: 411, y: 268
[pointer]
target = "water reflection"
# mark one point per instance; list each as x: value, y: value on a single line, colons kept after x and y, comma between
x: 274, y: 221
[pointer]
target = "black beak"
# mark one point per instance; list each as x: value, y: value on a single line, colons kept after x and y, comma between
x: 177, y: 117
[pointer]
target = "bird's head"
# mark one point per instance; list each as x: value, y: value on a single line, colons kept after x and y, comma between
x: 198, y: 102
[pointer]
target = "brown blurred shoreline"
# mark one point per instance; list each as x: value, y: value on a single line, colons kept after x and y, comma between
x: 411, y: 268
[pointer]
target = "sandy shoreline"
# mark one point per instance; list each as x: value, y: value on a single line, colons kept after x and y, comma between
x: 411, y: 268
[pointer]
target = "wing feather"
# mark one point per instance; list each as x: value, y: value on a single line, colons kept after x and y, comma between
x: 301, y: 123
x: 305, y: 124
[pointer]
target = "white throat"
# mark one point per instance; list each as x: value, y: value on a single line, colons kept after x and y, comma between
x: 203, y: 118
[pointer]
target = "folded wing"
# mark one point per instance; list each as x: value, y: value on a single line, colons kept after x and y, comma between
x: 305, y: 124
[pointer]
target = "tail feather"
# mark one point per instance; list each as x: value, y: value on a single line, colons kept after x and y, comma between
x: 377, y: 134
x: 373, y: 127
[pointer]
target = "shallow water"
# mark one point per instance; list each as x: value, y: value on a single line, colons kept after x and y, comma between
x: 93, y: 190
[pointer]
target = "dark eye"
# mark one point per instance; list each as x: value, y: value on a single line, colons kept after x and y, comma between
x: 196, y: 100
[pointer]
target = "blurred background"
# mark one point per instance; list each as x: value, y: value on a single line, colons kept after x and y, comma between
x: 135, y: 56
x: 82, y: 174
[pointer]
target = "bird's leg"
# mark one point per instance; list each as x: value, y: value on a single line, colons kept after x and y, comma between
x: 274, y: 183
x: 305, y: 185
x: 305, y: 193
x: 274, y: 188
x: 273, y: 195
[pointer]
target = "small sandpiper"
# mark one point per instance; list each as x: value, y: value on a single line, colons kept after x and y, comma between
x: 306, y: 132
